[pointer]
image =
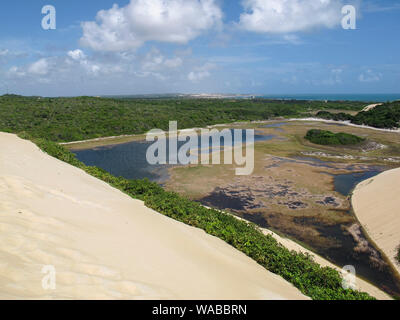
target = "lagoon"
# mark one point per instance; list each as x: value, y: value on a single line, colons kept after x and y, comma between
x: 128, y: 160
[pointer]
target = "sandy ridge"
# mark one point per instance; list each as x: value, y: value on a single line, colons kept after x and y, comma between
x: 106, y: 245
x: 376, y: 203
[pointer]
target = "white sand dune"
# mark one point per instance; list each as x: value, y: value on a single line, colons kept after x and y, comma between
x: 105, y: 245
x: 371, y: 106
x: 347, y: 123
x: 376, y: 203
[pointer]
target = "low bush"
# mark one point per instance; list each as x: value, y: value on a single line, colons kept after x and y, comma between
x: 329, y: 138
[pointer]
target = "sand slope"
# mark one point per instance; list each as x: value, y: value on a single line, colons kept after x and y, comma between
x: 105, y: 245
x: 376, y: 203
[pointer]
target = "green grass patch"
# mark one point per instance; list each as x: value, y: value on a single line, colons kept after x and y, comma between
x: 319, y: 283
x: 327, y: 138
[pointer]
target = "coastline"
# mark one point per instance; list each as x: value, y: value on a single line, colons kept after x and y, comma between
x: 376, y: 204
x: 106, y: 245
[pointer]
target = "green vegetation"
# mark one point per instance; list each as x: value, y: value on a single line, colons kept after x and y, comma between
x: 384, y: 116
x: 329, y: 138
x: 299, y: 269
x: 81, y: 118
x: 398, y: 254
x: 341, y: 116
x: 49, y: 120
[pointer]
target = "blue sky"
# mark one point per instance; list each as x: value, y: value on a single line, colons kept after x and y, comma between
x: 195, y: 46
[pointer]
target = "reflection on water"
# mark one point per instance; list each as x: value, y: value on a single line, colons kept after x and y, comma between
x: 128, y: 160
x: 345, y: 183
x: 276, y: 126
x: 124, y: 160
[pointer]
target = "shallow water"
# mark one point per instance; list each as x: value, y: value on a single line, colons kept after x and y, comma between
x: 342, y: 254
x: 276, y: 126
x: 345, y: 183
x: 128, y: 160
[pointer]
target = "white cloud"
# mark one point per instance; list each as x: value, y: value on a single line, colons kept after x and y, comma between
x: 287, y: 16
x: 198, y: 75
x: 129, y: 27
x: 201, y: 73
x: 6, y: 55
x: 370, y: 76
x: 112, y: 67
x: 40, y: 67
x: 76, y: 54
x: 4, y: 52
x: 154, y: 60
x: 173, y: 63
x: 15, y: 71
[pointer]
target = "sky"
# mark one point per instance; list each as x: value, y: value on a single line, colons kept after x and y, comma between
x: 122, y: 47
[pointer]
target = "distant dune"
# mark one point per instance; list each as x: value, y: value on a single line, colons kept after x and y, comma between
x: 106, y: 245
x: 376, y: 203
x: 371, y: 106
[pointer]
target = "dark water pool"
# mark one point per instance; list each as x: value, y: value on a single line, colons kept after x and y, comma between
x: 128, y: 160
x: 345, y: 183
x: 341, y: 254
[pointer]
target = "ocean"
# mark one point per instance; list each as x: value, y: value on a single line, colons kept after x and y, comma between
x: 335, y: 97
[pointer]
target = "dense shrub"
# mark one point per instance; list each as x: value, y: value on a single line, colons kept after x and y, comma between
x: 398, y: 254
x: 329, y: 138
x: 81, y: 118
x: 299, y: 269
x: 383, y: 116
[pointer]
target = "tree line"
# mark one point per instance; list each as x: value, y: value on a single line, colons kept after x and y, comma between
x: 81, y: 118
x: 386, y: 116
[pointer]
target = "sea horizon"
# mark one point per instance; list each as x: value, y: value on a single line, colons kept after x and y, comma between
x: 367, y: 97
x: 370, y: 97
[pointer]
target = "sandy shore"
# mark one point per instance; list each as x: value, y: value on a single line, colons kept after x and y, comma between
x: 376, y: 203
x: 106, y: 245
x: 347, y: 123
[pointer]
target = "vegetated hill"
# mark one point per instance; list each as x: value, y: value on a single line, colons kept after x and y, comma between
x: 80, y: 118
x: 386, y: 116
x: 329, y: 138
